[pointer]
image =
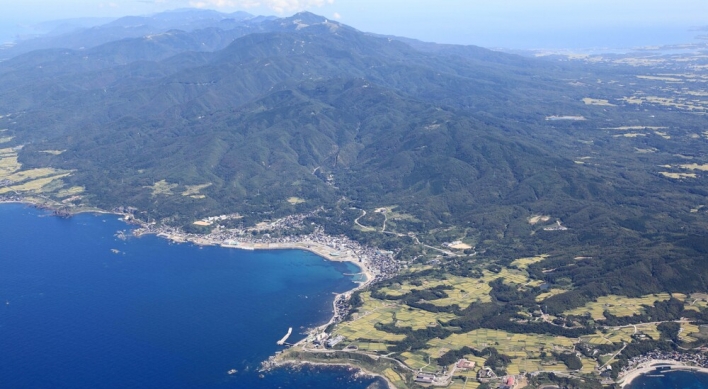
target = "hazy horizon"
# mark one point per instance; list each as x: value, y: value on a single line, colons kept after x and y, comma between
x: 510, y: 24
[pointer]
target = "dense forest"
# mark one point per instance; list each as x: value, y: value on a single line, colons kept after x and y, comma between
x: 595, y: 165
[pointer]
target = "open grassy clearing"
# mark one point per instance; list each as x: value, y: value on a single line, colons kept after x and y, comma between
x: 514, y: 345
x: 617, y: 305
x: 73, y: 191
x: 659, y: 78
x: 460, y: 384
x: 8, y: 165
x: 392, y: 376
x: 695, y: 166
x: 391, y: 214
x: 629, y: 128
x: 677, y: 103
x: 193, y: 190
x: 678, y: 176
x: 5, y: 139
x: 601, y: 102
x: 467, y: 290
x: 417, y: 318
x: 53, y: 152
x: 363, y: 326
x: 458, y: 245
x: 687, y: 330
x: 549, y: 293
x: 535, y: 219
x: 645, y: 151
x: 371, y: 346
x: 32, y: 174
x: 523, y: 349
x: 42, y: 180
x: 161, y: 187
x: 622, y: 334
x: 523, y: 263
x: 34, y: 186
x: 295, y: 200
x: 630, y: 135
x: 697, y: 301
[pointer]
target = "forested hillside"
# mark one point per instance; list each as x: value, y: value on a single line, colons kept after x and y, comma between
x: 268, y: 117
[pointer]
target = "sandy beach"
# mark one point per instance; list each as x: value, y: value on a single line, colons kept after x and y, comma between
x: 649, y: 366
x: 321, y: 250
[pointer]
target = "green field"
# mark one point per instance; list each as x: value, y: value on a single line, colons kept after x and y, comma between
x: 619, y: 305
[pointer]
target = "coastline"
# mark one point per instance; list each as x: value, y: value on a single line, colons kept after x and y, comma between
x: 327, y: 252
x: 293, y: 364
x: 652, y: 365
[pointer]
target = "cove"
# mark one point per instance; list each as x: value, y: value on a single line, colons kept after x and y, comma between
x: 80, y: 308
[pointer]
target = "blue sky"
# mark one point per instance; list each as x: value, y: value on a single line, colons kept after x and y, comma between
x: 490, y: 23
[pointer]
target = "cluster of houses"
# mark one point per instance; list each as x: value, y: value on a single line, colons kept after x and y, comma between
x: 485, y: 374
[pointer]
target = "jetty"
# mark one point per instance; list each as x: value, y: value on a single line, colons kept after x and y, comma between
x: 282, y: 341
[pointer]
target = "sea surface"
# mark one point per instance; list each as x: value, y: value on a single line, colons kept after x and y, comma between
x: 676, y: 379
x: 80, y: 308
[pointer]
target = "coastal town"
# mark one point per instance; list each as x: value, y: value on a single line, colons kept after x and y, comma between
x: 375, y: 264
x: 658, y: 362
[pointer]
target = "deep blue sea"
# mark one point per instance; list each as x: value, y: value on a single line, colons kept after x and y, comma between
x: 670, y: 380
x: 74, y: 314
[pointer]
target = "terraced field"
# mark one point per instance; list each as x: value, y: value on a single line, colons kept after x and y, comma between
x: 619, y: 305
x: 16, y: 180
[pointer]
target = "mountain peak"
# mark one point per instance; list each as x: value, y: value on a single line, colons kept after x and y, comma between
x: 308, y: 17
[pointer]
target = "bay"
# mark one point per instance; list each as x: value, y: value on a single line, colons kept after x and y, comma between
x: 675, y: 379
x: 81, y: 308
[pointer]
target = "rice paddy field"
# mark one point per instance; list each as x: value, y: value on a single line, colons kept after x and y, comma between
x: 622, y: 334
x: 468, y: 384
x: 688, y: 329
x: 523, y: 263
x: 523, y: 349
x: 392, y: 376
x: 619, y: 305
x: 549, y: 293
x: 514, y: 345
x: 467, y: 290
x: 29, y: 181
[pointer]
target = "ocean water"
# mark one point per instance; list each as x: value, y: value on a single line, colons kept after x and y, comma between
x: 676, y: 379
x: 76, y: 314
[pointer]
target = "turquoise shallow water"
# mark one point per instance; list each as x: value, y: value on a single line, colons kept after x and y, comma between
x: 74, y: 314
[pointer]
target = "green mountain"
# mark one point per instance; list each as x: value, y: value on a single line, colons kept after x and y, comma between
x: 466, y: 142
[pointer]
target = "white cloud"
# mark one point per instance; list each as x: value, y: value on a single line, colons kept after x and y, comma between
x: 279, y: 6
x: 337, y: 16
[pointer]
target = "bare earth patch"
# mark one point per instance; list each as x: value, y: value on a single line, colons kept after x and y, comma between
x: 602, y: 102
x: 52, y: 152
x: 535, y: 219
x: 193, y: 191
x: 678, y: 176
x: 695, y: 166
x: 458, y: 245
x: 295, y: 200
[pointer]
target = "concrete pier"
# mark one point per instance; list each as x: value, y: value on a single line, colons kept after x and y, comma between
x: 282, y: 341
